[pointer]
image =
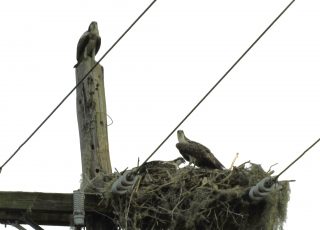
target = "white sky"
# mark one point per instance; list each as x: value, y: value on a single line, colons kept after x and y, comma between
x: 266, y: 109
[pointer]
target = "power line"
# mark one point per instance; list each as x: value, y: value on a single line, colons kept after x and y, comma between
x: 298, y: 158
x: 220, y: 80
x: 80, y: 82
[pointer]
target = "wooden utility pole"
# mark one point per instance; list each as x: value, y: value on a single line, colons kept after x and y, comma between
x: 55, y: 208
x: 92, y: 121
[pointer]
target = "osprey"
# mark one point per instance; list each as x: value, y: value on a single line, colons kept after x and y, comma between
x: 196, y: 153
x: 89, y: 43
x: 153, y: 165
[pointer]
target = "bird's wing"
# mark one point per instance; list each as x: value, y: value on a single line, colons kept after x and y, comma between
x: 193, y: 149
x: 83, y: 41
x: 207, y: 159
x: 184, y: 150
x: 208, y: 154
x: 98, y: 44
x: 200, y: 146
x: 203, y: 156
x: 217, y: 164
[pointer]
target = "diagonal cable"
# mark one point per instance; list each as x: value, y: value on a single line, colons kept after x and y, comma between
x: 76, y: 86
x: 220, y: 80
x: 298, y: 158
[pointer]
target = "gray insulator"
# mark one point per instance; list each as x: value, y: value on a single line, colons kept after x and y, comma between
x: 263, y: 188
x: 128, y: 179
x: 124, y: 183
x: 253, y: 195
x: 263, y: 185
x: 78, y: 208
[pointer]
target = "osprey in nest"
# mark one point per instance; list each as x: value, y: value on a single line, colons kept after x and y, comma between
x: 89, y: 43
x: 154, y: 165
x: 196, y: 153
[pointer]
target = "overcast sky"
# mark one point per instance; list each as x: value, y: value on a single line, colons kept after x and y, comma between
x: 267, y: 109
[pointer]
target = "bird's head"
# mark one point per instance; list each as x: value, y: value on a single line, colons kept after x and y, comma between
x: 181, y: 137
x: 179, y: 161
x: 93, y: 27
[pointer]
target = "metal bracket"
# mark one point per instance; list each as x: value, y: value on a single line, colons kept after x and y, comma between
x: 15, y: 224
x: 23, y: 219
x: 31, y: 223
x: 18, y: 226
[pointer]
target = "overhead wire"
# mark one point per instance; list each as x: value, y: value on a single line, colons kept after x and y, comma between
x: 79, y: 83
x: 298, y: 158
x: 269, y: 182
x: 182, y: 121
x: 216, y: 84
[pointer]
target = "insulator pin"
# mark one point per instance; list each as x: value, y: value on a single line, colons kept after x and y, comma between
x: 263, y: 188
x: 78, y: 208
x: 124, y: 183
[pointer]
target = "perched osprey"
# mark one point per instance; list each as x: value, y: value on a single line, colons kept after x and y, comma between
x: 153, y: 165
x: 196, y: 153
x: 89, y: 43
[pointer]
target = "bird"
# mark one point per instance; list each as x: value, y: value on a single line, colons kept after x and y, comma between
x: 89, y: 43
x: 196, y: 153
x: 174, y: 164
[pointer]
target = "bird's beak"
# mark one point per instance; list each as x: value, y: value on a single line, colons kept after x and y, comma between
x: 93, y: 25
x: 180, y: 135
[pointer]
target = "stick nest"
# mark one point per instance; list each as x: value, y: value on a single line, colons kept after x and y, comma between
x: 195, y: 198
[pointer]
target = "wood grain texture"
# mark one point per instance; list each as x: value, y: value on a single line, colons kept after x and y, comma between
x: 45, y: 208
x: 92, y: 120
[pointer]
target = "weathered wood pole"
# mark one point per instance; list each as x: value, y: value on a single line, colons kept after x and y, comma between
x: 92, y: 121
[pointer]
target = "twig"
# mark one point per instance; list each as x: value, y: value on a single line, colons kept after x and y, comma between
x: 226, y: 178
x: 160, y: 187
x: 271, y: 167
x: 127, y: 213
x: 217, y: 222
x: 234, y: 160
x: 176, y: 207
x: 244, y: 163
